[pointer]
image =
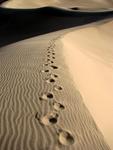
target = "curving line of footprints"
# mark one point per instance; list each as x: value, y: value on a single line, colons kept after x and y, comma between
x: 51, y: 118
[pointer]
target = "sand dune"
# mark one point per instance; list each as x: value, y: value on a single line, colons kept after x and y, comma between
x: 28, y: 3
x: 23, y: 82
x: 62, y: 3
x: 91, y: 65
x: 40, y: 106
x: 27, y: 23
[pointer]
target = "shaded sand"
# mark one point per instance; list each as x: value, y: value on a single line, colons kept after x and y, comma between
x: 22, y: 82
x: 28, y: 3
x: 33, y: 22
x: 62, y: 3
x: 89, y: 56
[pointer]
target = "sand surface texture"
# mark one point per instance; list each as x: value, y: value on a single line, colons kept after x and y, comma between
x: 89, y: 56
x: 46, y: 100
x: 34, y: 80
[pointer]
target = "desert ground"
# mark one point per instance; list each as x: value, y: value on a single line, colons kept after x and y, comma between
x: 56, y: 83
x: 62, y: 3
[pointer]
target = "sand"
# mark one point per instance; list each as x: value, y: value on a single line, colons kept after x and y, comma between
x: 30, y: 122
x: 62, y: 3
x: 89, y: 56
x: 44, y: 101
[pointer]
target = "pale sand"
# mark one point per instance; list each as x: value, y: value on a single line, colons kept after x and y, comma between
x: 61, y: 3
x: 24, y: 116
x: 89, y: 55
x: 28, y: 99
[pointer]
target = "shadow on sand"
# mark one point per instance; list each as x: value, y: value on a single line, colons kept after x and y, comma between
x: 19, y: 24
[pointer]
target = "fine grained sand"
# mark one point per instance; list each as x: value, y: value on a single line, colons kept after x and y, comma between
x: 26, y: 98
x: 40, y: 106
x: 89, y: 56
x: 62, y: 3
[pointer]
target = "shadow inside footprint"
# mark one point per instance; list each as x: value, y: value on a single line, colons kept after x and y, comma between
x: 58, y: 88
x: 55, y: 75
x: 45, y: 64
x: 57, y: 106
x: 37, y: 116
x: 49, y: 119
x: 54, y: 67
x: 46, y: 96
x: 45, y: 70
x: 48, y: 59
x: 50, y: 80
x: 49, y: 95
x: 53, y: 57
x: 66, y: 138
x: 53, y: 120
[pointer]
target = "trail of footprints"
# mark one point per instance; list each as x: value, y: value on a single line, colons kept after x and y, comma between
x: 51, y: 118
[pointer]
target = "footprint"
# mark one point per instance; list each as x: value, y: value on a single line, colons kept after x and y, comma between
x: 54, y: 67
x: 58, y: 88
x: 57, y: 106
x: 46, y: 96
x: 45, y: 70
x: 48, y: 59
x: 49, y: 95
x: 45, y: 64
x: 53, y: 53
x: 66, y: 138
x: 55, y: 75
x: 48, y: 55
x: 52, y: 62
x: 53, y: 57
x: 50, y: 80
x: 49, y: 119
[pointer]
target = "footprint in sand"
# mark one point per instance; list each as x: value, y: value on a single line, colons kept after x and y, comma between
x: 54, y: 75
x: 58, y: 106
x: 47, y: 96
x: 52, y: 62
x: 45, y: 64
x: 54, y: 67
x: 48, y: 56
x: 65, y: 138
x: 53, y: 53
x: 48, y: 119
x: 58, y: 88
x: 51, y: 80
x: 45, y: 70
x: 53, y: 57
x: 51, y: 75
x: 48, y: 60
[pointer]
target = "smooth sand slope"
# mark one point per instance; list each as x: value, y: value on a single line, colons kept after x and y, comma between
x: 34, y: 80
x: 61, y: 3
x: 89, y: 56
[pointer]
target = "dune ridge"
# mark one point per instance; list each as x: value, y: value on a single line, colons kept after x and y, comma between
x: 17, y: 24
x: 59, y: 3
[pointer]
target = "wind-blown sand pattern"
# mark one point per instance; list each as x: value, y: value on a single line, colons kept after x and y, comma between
x: 41, y: 107
x: 22, y: 83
